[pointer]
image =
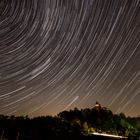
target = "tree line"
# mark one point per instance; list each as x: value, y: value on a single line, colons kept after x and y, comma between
x: 69, y: 125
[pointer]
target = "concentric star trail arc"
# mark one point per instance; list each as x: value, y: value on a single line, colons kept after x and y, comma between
x: 61, y: 54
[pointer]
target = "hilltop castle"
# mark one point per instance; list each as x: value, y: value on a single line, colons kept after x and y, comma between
x: 97, y: 105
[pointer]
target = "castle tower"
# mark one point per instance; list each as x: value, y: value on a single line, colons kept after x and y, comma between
x: 97, y: 105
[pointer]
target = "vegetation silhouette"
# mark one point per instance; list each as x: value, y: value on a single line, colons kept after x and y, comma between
x: 70, y: 125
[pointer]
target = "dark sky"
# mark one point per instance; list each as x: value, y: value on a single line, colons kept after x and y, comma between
x: 59, y: 54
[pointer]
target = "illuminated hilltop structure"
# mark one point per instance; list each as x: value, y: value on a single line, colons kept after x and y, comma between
x: 97, y: 105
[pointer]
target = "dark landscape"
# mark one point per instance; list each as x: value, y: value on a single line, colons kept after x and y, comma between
x: 71, y: 125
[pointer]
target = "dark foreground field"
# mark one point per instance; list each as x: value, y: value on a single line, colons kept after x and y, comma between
x: 65, y: 136
x: 71, y: 125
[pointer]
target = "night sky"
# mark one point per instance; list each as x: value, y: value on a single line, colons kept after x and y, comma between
x: 56, y: 55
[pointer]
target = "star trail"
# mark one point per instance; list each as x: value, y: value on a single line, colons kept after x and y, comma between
x: 61, y: 54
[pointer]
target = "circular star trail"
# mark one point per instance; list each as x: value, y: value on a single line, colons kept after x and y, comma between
x: 59, y: 54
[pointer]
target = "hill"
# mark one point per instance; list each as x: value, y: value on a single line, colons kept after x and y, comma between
x: 68, y: 125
